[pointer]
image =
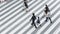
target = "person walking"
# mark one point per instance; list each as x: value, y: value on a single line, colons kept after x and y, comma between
x: 47, y: 14
x: 38, y: 21
x: 33, y: 18
x: 26, y: 5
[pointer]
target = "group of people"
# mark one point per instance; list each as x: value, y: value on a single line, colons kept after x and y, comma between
x: 47, y: 14
x: 33, y: 18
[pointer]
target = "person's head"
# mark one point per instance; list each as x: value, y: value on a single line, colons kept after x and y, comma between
x: 46, y: 4
x: 38, y: 17
x: 33, y: 14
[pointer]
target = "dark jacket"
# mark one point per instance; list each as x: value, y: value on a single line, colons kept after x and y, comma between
x: 33, y: 18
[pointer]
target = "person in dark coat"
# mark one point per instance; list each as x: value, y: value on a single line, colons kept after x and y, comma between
x: 33, y: 18
x: 47, y: 13
x: 26, y: 5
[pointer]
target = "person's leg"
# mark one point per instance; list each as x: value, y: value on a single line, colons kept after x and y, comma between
x: 50, y: 20
x: 34, y: 24
x: 46, y: 19
x: 26, y: 7
x: 40, y: 23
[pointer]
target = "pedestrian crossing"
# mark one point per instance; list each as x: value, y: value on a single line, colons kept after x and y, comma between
x: 57, y: 32
x: 15, y: 20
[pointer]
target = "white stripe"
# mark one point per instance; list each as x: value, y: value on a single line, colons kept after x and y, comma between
x: 10, y: 7
x: 58, y: 30
x: 7, y: 5
x: 2, y: 3
x: 9, y: 13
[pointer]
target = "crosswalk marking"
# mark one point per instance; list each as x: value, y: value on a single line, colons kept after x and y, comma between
x: 24, y: 19
x: 54, y: 28
x: 8, y: 5
x: 5, y: 3
x: 14, y: 20
x: 57, y: 30
x: 10, y: 8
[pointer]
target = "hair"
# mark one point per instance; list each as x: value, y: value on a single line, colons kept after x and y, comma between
x: 38, y: 17
x: 33, y: 13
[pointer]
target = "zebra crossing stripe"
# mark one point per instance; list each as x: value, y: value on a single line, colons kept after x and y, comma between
x: 10, y: 8
x: 5, y: 4
x: 57, y: 30
x: 59, y: 33
x: 53, y: 30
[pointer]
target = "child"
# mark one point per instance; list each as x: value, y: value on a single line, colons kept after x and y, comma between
x: 38, y: 21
